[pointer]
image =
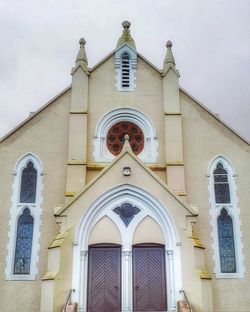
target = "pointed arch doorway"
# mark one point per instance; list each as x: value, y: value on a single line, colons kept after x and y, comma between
x: 104, y: 278
x: 165, y: 259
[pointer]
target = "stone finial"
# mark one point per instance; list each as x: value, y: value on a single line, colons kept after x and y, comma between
x: 169, y: 56
x: 126, y: 24
x: 126, y: 37
x: 169, y: 61
x: 126, y: 146
x: 81, y: 59
x: 169, y: 44
x: 81, y: 56
x: 126, y: 137
x: 82, y: 42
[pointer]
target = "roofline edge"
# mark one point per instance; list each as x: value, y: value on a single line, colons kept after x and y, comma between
x: 215, y: 116
x: 26, y: 120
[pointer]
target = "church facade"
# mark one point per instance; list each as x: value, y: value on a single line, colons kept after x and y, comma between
x: 124, y: 193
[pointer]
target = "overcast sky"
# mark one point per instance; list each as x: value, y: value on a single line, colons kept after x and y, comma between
x: 211, y: 45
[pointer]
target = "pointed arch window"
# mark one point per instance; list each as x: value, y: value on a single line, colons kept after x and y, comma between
x: 28, y: 184
x: 23, y: 244
x: 226, y: 233
x: 221, y: 185
x: 111, y: 128
x: 226, y: 242
x: 24, y: 239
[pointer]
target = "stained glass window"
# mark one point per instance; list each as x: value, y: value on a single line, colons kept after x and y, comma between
x: 24, y: 243
x: 28, y: 184
x: 116, y: 134
x: 221, y: 185
x: 226, y: 243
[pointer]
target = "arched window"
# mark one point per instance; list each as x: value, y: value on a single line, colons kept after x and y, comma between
x: 226, y: 233
x: 221, y: 185
x: 125, y: 70
x: 115, y: 137
x: 125, y: 67
x: 111, y: 129
x: 23, y: 244
x: 226, y: 242
x: 28, y: 184
x: 24, y: 238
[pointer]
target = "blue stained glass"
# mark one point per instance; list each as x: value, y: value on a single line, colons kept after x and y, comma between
x: 221, y: 185
x: 226, y: 243
x: 28, y: 184
x: 24, y: 243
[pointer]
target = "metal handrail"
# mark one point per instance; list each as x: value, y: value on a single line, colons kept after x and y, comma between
x: 185, y: 296
x: 68, y: 300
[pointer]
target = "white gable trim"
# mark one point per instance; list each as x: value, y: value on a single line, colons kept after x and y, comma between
x: 233, y: 211
x: 101, y: 152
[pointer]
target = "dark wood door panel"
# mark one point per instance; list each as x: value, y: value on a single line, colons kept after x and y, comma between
x: 149, y: 279
x: 104, y: 278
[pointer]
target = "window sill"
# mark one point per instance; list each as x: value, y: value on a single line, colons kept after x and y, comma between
x: 20, y: 277
x: 228, y: 275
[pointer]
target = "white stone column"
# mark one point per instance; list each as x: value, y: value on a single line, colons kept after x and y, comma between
x: 82, y: 307
x: 102, y: 142
x: 149, y: 152
x: 170, y: 279
x: 127, y: 303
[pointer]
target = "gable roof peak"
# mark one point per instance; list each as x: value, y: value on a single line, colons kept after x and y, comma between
x: 126, y: 37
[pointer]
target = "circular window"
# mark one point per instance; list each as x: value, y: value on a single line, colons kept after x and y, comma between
x: 115, y: 137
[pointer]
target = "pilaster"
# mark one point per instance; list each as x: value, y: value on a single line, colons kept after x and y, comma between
x: 173, y: 125
x: 170, y: 278
x: 77, y: 148
x: 127, y: 304
x: 83, y: 285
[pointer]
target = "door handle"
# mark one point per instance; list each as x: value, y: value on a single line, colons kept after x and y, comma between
x: 136, y: 287
x: 116, y: 288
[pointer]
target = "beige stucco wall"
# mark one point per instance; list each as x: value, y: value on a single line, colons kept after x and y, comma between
x: 105, y: 231
x: 148, y: 231
x: 46, y: 135
x: 204, y: 139
x: 147, y: 97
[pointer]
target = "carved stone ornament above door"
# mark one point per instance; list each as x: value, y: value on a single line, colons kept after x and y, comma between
x: 126, y: 212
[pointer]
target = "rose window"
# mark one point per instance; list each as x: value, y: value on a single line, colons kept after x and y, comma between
x: 115, y: 137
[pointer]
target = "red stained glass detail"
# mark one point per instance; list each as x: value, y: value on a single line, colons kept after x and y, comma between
x: 115, y: 137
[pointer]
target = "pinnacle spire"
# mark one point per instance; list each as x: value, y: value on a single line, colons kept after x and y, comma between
x: 169, y: 60
x: 81, y: 56
x: 169, y: 56
x: 126, y: 37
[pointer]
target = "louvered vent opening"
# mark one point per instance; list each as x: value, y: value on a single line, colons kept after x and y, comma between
x: 125, y: 70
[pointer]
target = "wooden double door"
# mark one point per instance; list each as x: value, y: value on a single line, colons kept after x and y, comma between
x: 104, y: 278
